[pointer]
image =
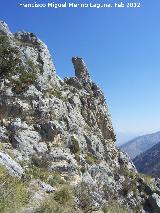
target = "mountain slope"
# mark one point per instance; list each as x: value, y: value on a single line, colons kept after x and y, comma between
x: 124, y: 137
x: 57, y: 143
x: 149, y: 161
x: 140, y: 144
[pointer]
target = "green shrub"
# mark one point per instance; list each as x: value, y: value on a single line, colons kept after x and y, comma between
x: 51, y: 206
x: 56, y: 93
x: 114, y: 207
x: 74, y: 147
x: 83, y: 169
x: 9, y: 57
x: 64, y: 196
x: 11, y: 64
x: 25, y: 79
x: 86, y: 198
x: 55, y: 179
x: 91, y: 159
x: 34, y: 68
x: 128, y: 186
x: 13, y: 192
x: 77, y: 157
x: 33, y: 172
x: 41, y: 162
x: 62, y: 201
x: 147, y: 179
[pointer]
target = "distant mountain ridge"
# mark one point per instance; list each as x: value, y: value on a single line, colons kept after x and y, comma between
x: 149, y: 161
x: 140, y: 144
x: 124, y: 137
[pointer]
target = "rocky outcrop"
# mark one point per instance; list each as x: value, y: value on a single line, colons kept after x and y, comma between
x: 11, y: 165
x: 4, y: 30
x: 62, y: 128
x: 153, y: 203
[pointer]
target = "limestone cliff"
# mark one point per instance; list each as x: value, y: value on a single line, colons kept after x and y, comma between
x: 61, y: 128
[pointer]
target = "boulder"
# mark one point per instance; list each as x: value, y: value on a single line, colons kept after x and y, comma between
x: 46, y: 187
x: 11, y: 165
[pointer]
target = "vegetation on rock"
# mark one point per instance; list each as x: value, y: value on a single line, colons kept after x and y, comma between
x: 9, y: 58
x: 13, y: 192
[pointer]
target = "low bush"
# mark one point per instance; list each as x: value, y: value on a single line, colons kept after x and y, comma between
x: 41, y: 162
x: 83, y: 169
x: 13, y: 193
x: 114, y: 207
x: 64, y: 196
x: 74, y: 147
x: 33, y: 172
x: 91, y: 159
x: 51, y: 206
x: 62, y: 201
x: 55, y: 179
x: 9, y: 57
x: 86, y: 199
x: 25, y: 79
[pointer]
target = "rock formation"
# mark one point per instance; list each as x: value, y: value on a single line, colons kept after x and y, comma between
x: 58, y: 133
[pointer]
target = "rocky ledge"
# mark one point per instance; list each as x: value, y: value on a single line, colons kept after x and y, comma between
x: 57, y: 143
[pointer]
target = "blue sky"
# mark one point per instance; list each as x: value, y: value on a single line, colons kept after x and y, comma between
x: 121, y: 48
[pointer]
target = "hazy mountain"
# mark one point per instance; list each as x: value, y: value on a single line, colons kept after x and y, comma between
x: 124, y: 137
x: 140, y: 144
x: 149, y: 161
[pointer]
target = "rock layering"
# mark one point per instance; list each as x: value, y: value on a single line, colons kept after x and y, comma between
x: 65, y: 126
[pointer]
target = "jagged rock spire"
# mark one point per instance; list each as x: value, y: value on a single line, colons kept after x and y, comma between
x: 4, y: 29
x: 27, y: 37
x: 81, y: 70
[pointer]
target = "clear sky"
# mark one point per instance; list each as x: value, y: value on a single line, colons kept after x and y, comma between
x: 120, y: 46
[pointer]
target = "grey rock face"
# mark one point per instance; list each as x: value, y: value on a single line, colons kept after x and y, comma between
x: 63, y: 161
x: 11, y: 165
x: 3, y: 134
x: 24, y: 137
x: 27, y: 37
x: 4, y: 29
x: 81, y: 71
x: 47, y: 188
x: 124, y: 159
x: 73, y: 81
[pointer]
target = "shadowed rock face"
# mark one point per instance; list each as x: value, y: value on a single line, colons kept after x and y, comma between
x: 81, y: 71
x: 61, y: 126
x: 26, y: 37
